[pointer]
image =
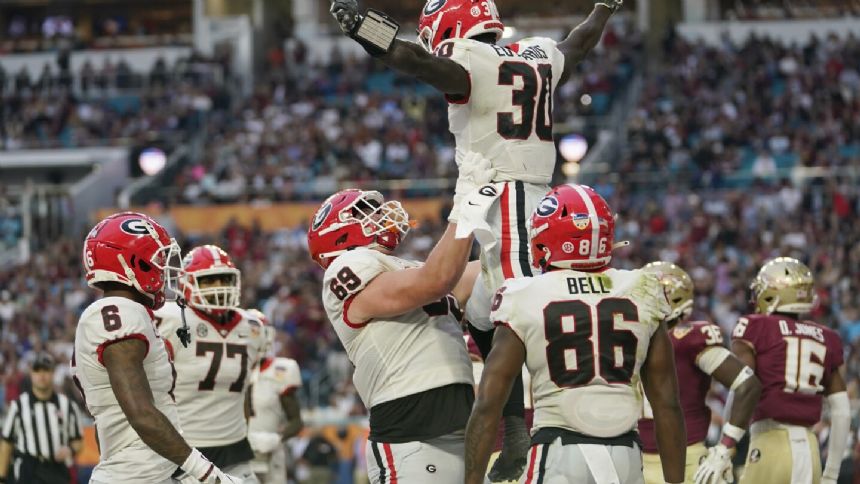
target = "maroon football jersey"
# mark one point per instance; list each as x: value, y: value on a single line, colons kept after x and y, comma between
x: 688, y: 341
x: 793, y: 360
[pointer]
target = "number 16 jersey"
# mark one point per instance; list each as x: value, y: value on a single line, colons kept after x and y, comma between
x: 586, y: 336
x: 507, y: 114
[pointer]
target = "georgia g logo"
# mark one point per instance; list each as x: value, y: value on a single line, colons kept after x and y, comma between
x: 136, y: 226
x: 433, y: 6
x: 321, y: 216
x: 547, y: 206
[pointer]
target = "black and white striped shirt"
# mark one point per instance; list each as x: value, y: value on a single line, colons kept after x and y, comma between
x: 38, y: 428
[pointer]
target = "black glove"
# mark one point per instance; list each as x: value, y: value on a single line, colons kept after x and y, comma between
x: 346, y: 14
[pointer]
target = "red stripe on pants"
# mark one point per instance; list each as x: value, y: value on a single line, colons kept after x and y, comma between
x: 507, y: 268
x: 531, y: 472
x: 389, y: 457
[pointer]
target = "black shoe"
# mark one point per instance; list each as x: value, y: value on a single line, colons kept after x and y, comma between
x: 507, y: 469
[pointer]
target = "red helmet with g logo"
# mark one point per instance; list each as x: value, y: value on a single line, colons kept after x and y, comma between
x: 355, y: 218
x: 211, y: 261
x: 572, y: 228
x: 446, y: 19
x: 134, y: 250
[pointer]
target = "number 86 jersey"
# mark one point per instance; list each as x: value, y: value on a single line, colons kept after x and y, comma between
x: 586, y: 336
x: 507, y: 114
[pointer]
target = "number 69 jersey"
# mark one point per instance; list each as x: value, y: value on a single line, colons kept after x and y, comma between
x: 507, y: 115
x: 212, y: 373
x: 793, y: 360
x: 586, y: 336
x: 124, y: 457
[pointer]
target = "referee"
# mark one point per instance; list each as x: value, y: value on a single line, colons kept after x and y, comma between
x: 41, y: 433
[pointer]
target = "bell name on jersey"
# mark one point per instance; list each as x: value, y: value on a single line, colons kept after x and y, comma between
x: 398, y: 356
x: 586, y: 337
x: 124, y: 457
x: 212, y: 372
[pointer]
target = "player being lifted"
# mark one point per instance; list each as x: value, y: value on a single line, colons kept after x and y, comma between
x: 699, y: 356
x: 799, y: 363
x: 213, y: 371
x: 120, y: 363
x: 587, y: 334
x: 275, y: 411
x: 399, y: 322
x: 500, y: 107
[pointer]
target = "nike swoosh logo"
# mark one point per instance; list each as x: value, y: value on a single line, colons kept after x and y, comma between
x: 473, y: 203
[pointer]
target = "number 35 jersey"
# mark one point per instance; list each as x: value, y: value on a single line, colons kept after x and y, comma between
x: 397, y: 356
x: 793, y: 361
x: 507, y: 114
x: 586, y: 337
x: 212, y: 373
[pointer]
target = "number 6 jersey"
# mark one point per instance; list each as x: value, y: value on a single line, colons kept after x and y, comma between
x: 793, y: 361
x: 507, y: 115
x: 586, y: 336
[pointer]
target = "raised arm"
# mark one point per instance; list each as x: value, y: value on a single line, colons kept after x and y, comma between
x: 661, y: 387
x: 503, y: 365
x: 397, y: 292
x: 585, y: 36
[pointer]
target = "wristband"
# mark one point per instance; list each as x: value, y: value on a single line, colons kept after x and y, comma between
x: 731, y: 435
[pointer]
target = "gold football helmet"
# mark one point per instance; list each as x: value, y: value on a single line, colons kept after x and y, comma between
x: 783, y: 285
x: 678, y: 288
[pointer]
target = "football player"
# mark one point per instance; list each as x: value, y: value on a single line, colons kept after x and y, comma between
x: 587, y: 333
x: 699, y: 356
x: 500, y: 106
x: 400, y: 326
x: 799, y: 363
x: 120, y: 363
x: 275, y: 412
x: 214, y: 370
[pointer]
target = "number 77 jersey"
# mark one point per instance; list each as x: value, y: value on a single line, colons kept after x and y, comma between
x: 507, y: 114
x: 586, y: 336
x: 793, y: 361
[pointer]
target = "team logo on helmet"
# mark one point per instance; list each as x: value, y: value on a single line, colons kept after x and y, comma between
x: 135, y: 226
x: 568, y: 247
x: 547, y: 206
x: 321, y: 216
x: 476, y: 11
x: 433, y: 6
x: 581, y: 220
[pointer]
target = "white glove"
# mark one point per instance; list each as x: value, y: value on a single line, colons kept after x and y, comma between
x: 716, y: 468
x: 200, y: 468
x: 264, y: 442
x: 474, y: 171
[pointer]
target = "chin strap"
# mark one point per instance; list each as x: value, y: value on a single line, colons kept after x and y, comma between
x: 183, y: 332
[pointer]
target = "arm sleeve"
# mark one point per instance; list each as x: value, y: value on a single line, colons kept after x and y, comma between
x: 118, y: 322
x: 503, y: 311
x: 708, y: 347
x: 167, y: 321
x: 835, y: 356
x: 347, y: 276
x: 460, y: 51
x: 9, y: 423
x: 746, y: 330
x: 287, y: 375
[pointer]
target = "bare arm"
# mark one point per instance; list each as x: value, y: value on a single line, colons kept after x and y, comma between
x: 291, y: 407
x: 397, y: 292
x: 503, y: 365
x: 745, y: 395
x: 5, y: 458
x: 661, y: 388
x: 582, y: 39
x: 442, y: 73
x: 124, y: 364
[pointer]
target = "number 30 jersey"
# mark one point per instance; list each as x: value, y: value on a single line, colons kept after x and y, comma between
x: 398, y: 356
x: 212, y: 373
x: 586, y: 337
x: 793, y: 361
x: 507, y: 115
x: 124, y: 457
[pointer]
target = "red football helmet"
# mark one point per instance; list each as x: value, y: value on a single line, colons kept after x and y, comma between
x: 132, y: 249
x: 463, y: 19
x: 355, y: 218
x: 572, y: 228
x: 210, y: 261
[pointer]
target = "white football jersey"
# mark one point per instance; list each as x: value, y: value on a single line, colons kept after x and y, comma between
x: 400, y: 356
x: 124, y: 456
x: 586, y: 337
x: 212, y: 373
x: 273, y: 378
x: 507, y: 115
